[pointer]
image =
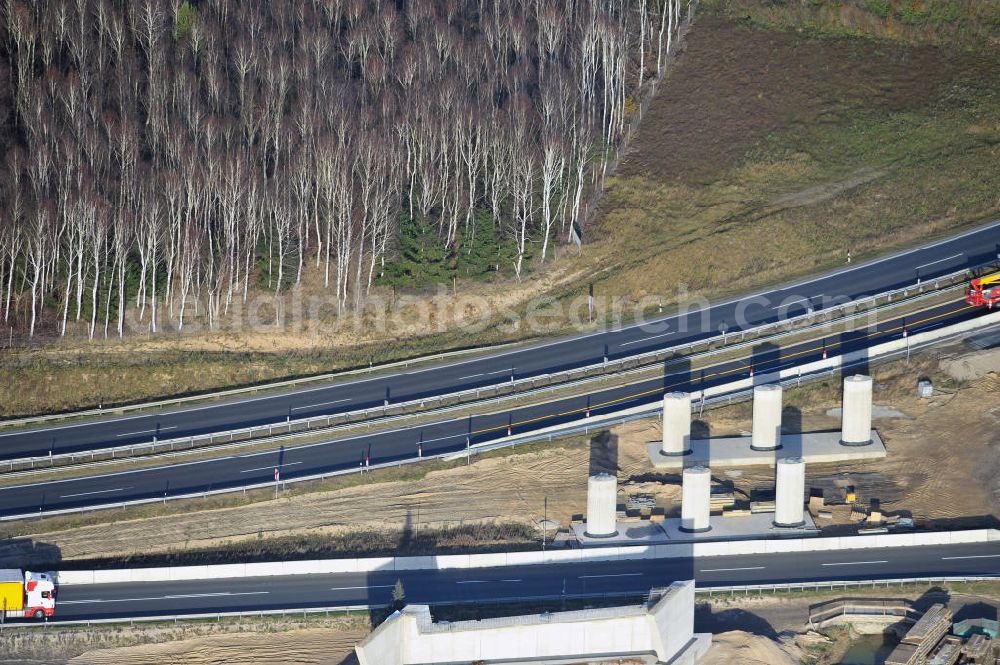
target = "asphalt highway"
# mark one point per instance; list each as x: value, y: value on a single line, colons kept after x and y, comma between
x: 233, y: 472
x: 972, y: 249
x: 103, y: 601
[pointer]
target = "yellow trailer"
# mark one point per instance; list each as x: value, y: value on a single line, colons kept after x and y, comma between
x: 11, y: 590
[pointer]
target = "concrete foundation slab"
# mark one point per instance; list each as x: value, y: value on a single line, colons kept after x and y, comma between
x: 758, y: 525
x: 750, y: 527
x: 729, y: 451
x: 629, y: 533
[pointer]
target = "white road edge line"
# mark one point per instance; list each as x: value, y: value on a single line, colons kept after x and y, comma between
x: 786, y: 287
x: 971, y: 556
x: 854, y: 563
x: 586, y: 577
x: 354, y: 588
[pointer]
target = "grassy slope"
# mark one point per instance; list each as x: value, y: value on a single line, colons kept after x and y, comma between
x: 815, y: 147
x: 770, y: 152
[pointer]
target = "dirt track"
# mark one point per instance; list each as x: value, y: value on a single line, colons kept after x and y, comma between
x: 942, y: 465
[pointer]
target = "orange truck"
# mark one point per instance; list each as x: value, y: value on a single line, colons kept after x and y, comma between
x: 26, y: 594
x: 984, y: 291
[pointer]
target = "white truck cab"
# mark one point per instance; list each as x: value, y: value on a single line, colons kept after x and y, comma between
x: 40, y: 595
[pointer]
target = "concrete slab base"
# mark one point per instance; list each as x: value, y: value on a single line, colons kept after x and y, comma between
x: 728, y: 451
x: 750, y: 527
x: 641, y: 532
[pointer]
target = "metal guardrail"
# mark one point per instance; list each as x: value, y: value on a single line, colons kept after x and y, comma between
x: 710, y: 591
x: 638, y: 413
x: 209, y: 616
x: 250, y: 390
x: 870, y: 609
x: 747, y: 589
x: 597, y: 422
x: 517, y: 387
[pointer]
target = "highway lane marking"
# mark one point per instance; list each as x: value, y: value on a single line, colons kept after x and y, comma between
x: 180, y: 412
x: 503, y: 427
x: 726, y: 570
x: 485, y: 581
x: 646, y: 339
x: 355, y: 588
x: 174, y: 597
x: 947, y: 258
x: 854, y: 563
x: 971, y: 556
x: 797, y: 301
x: 117, y: 489
x: 672, y: 317
x: 521, y: 422
x: 875, y: 262
x: 703, y: 377
x: 588, y: 577
x: 268, y: 468
x: 505, y: 370
x: 147, y: 431
x: 310, y: 406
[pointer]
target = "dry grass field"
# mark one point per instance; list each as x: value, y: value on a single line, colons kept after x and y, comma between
x: 770, y: 151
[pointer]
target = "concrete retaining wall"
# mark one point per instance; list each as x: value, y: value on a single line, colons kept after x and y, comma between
x: 503, y: 559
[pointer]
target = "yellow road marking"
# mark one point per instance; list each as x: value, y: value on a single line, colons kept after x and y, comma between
x: 741, y: 368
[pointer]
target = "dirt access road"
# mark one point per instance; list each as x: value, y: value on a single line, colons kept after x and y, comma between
x: 943, y: 466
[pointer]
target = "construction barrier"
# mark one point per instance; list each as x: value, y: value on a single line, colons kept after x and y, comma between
x: 505, y: 559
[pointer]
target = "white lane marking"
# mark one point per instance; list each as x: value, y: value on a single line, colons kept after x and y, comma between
x: 310, y: 406
x: 471, y: 376
x: 147, y: 431
x: 947, y: 258
x: 117, y: 489
x: 646, y: 339
x: 485, y: 581
x: 443, y: 438
x: 789, y: 303
x: 355, y: 588
x: 332, y: 386
x: 726, y: 570
x: 854, y: 563
x: 175, y: 597
x: 587, y: 577
x: 265, y: 468
x: 971, y: 556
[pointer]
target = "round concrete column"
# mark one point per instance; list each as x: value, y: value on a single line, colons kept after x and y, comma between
x: 790, y: 487
x: 696, y: 494
x: 856, y: 423
x: 766, y: 417
x: 676, y: 424
x: 602, y: 506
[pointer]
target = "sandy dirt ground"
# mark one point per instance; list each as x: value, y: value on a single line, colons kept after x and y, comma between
x: 326, y: 641
x: 942, y: 465
x: 299, y: 647
x: 744, y: 648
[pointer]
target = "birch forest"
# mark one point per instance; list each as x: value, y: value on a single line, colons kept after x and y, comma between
x: 157, y: 153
